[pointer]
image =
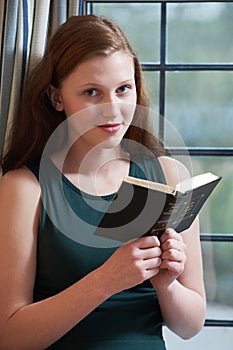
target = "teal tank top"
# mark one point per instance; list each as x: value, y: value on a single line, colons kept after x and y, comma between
x: 68, y: 250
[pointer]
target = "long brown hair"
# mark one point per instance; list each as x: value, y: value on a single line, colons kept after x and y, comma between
x: 78, y: 39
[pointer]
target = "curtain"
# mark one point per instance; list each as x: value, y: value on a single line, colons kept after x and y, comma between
x: 25, y: 26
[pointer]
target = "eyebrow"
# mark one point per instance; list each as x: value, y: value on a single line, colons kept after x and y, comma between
x: 96, y: 84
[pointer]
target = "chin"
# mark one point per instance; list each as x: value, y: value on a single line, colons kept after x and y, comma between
x: 110, y: 144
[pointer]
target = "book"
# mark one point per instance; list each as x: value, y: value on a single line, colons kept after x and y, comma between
x: 142, y: 207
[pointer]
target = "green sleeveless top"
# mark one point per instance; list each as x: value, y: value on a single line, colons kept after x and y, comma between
x: 68, y: 250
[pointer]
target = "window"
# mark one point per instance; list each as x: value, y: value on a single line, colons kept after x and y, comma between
x: 186, y: 52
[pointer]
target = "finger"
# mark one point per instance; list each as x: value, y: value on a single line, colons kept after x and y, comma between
x: 147, y: 242
x: 174, y: 244
x: 150, y: 253
x: 173, y: 266
x: 173, y: 255
x: 151, y: 264
x: 151, y: 272
x: 170, y: 233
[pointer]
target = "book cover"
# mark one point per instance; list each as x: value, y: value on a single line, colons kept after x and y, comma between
x: 142, y: 207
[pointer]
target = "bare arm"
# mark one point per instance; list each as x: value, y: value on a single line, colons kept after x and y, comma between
x: 28, y: 325
x: 179, y: 284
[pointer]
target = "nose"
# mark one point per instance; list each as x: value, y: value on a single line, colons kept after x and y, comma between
x: 110, y: 109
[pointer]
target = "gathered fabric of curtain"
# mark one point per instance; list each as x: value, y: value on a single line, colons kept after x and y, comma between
x: 25, y: 26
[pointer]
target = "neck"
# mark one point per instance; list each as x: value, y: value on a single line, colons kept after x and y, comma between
x: 97, y: 172
x: 92, y: 161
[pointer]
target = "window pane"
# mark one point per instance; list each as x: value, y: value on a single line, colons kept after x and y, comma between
x: 216, y: 215
x: 200, y: 32
x: 152, y: 83
x: 218, y: 277
x: 199, y: 105
x: 140, y: 22
x: 209, y: 338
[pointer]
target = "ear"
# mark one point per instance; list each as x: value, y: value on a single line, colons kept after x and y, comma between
x: 55, y: 98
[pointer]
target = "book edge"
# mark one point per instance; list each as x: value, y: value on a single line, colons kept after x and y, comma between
x: 196, y: 182
x: 150, y: 185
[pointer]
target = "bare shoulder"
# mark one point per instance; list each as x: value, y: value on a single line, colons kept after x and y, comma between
x: 174, y: 170
x: 20, y: 180
x: 19, y: 191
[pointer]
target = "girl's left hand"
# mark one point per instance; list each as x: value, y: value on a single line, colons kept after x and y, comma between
x: 173, y: 258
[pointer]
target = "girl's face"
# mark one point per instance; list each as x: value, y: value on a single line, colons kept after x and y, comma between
x: 102, y: 89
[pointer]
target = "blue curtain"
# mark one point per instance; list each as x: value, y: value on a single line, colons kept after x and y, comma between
x: 24, y: 32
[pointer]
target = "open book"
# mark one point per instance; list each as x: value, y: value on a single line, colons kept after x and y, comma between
x: 143, y: 207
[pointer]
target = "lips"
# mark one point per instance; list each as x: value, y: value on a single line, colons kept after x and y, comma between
x: 110, y: 128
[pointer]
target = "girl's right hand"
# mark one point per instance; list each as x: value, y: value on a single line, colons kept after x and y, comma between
x: 132, y: 263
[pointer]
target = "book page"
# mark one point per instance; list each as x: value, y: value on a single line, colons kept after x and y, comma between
x: 150, y: 184
x: 195, y: 182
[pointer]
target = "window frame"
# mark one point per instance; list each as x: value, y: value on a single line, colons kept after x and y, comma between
x: 162, y: 67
